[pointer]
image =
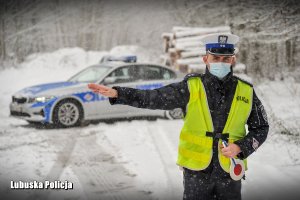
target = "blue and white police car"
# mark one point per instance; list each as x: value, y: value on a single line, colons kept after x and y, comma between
x: 70, y: 103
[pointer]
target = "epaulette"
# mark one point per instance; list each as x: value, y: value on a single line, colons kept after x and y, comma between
x: 191, y: 75
x: 244, y: 81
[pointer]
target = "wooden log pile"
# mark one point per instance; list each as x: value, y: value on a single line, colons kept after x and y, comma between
x: 183, y: 49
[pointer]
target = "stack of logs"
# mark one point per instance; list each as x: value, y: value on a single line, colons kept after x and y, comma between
x: 183, y: 49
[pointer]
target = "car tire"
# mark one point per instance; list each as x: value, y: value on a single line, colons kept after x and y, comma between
x: 174, y: 114
x: 67, y: 113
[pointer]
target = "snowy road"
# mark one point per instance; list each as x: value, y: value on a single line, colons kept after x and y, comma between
x: 124, y: 160
x: 132, y: 160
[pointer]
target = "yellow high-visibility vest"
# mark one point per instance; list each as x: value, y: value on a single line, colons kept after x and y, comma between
x: 195, y: 148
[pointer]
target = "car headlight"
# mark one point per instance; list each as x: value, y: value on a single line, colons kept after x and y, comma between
x: 42, y: 99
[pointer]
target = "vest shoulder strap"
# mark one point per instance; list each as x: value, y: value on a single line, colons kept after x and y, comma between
x: 244, y: 81
x: 192, y: 75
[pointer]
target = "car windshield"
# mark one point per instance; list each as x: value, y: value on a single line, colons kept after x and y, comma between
x: 90, y: 75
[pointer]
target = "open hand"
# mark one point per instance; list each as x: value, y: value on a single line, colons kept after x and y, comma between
x: 101, y: 89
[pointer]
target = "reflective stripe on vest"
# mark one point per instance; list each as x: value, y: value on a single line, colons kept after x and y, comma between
x: 195, y: 148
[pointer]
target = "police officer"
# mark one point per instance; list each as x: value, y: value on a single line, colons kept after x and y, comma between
x: 217, y: 105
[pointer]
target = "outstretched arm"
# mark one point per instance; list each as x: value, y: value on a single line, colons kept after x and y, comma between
x: 105, y: 91
x: 169, y: 97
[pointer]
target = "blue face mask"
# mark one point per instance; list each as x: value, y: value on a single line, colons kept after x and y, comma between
x: 220, y: 69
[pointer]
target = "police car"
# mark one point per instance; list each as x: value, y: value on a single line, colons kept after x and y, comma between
x: 70, y: 103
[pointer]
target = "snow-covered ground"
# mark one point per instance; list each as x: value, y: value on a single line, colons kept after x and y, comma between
x: 131, y: 160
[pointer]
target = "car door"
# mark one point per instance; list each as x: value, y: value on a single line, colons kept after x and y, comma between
x: 152, y: 77
x: 124, y: 76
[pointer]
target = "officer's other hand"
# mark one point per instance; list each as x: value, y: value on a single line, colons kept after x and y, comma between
x: 231, y: 150
x: 101, y: 89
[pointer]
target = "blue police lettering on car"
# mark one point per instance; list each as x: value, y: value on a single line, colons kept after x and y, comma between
x: 149, y: 86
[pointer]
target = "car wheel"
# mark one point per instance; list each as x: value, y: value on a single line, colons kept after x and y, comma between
x: 67, y: 113
x: 174, y: 114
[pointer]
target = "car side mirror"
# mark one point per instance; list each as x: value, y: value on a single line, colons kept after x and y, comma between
x: 109, y: 80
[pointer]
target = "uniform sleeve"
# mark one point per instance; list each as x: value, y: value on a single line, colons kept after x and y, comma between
x: 258, y: 128
x: 175, y: 95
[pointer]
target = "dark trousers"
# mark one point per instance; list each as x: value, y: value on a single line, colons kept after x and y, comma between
x: 210, y: 184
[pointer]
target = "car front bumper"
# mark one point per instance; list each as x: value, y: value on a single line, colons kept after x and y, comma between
x: 27, y: 112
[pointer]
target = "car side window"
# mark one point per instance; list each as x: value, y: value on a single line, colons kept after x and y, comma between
x: 124, y: 74
x: 168, y: 74
x: 150, y: 72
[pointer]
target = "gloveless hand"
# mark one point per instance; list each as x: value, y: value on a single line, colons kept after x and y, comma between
x: 231, y: 150
x: 103, y: 90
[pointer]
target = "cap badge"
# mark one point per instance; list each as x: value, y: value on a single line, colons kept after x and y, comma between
x: 222, y: 39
